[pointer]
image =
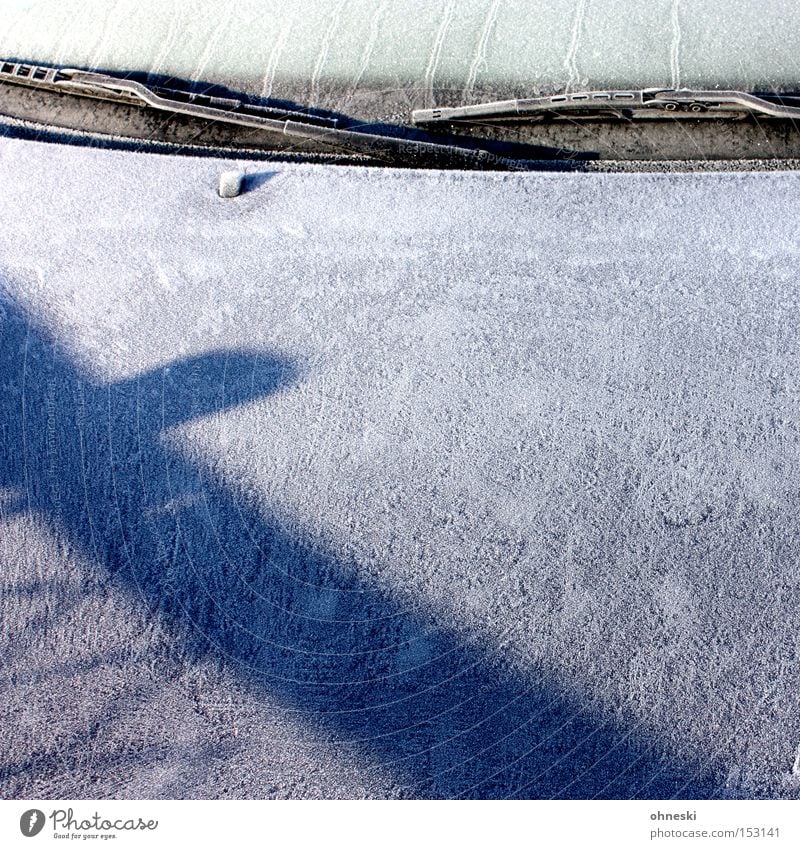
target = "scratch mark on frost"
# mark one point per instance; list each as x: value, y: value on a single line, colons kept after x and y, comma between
x: 64, y: 46
x: 436, y: 53
x: 169, y: 41
x: 369, y: 48
x: 479, y: 60
x: 96, y: 58
x: 275, y: 55
x: 674, y: 59
x: 210, y: 45
x: 324, y: 49
x: 570, y: 63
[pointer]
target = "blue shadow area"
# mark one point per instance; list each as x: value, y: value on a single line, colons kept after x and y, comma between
x: 286, y: 615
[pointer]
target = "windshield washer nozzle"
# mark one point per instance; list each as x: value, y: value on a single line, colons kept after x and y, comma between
x: 230, y: 184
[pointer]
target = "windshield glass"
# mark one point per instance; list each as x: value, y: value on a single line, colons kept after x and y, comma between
x: 405, y: 68
x: 470, y: 49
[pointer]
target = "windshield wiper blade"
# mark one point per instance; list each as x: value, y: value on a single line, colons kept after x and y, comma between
x: 130, y: 92
x: 644, y: 103
x: 294, y: 124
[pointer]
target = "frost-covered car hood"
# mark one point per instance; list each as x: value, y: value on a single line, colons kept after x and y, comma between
x: 396, y: 483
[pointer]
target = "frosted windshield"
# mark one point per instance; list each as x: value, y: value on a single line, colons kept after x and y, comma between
x: 423, y: 47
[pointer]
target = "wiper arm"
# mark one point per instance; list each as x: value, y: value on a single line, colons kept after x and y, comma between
x: 645, y: 103
x: 294, y: 124
x: 128, y: 91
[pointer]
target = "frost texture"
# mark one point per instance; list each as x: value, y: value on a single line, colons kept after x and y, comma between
x: 397, y: 483
x: 275, y: 46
